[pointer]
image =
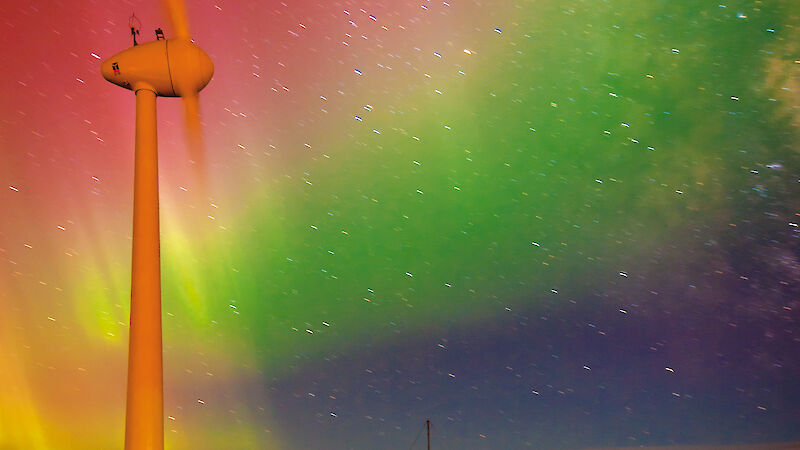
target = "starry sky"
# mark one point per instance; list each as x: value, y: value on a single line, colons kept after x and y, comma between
x: 540, y: 224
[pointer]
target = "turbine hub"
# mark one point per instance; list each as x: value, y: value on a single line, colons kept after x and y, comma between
x: 169, y: 67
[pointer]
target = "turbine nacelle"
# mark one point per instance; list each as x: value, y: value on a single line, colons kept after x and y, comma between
x: 169, y: 67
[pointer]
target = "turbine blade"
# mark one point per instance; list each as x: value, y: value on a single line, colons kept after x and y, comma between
x: 176, y: 10
x: 196, y: 146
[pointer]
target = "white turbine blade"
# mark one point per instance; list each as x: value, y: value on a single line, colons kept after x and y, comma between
x: 194, y: 140
x: 176, y: 10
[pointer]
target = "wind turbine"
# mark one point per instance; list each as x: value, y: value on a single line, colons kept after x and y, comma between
x: 174, y: 67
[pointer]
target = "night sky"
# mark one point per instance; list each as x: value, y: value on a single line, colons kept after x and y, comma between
x: 540, y: 224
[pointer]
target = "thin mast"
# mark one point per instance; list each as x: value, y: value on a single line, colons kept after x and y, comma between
x: 428, y: 425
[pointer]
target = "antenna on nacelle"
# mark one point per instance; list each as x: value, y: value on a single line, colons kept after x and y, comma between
x: 135, y: 24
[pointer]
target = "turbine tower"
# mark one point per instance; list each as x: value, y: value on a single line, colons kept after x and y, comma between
x: 174, y: 67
